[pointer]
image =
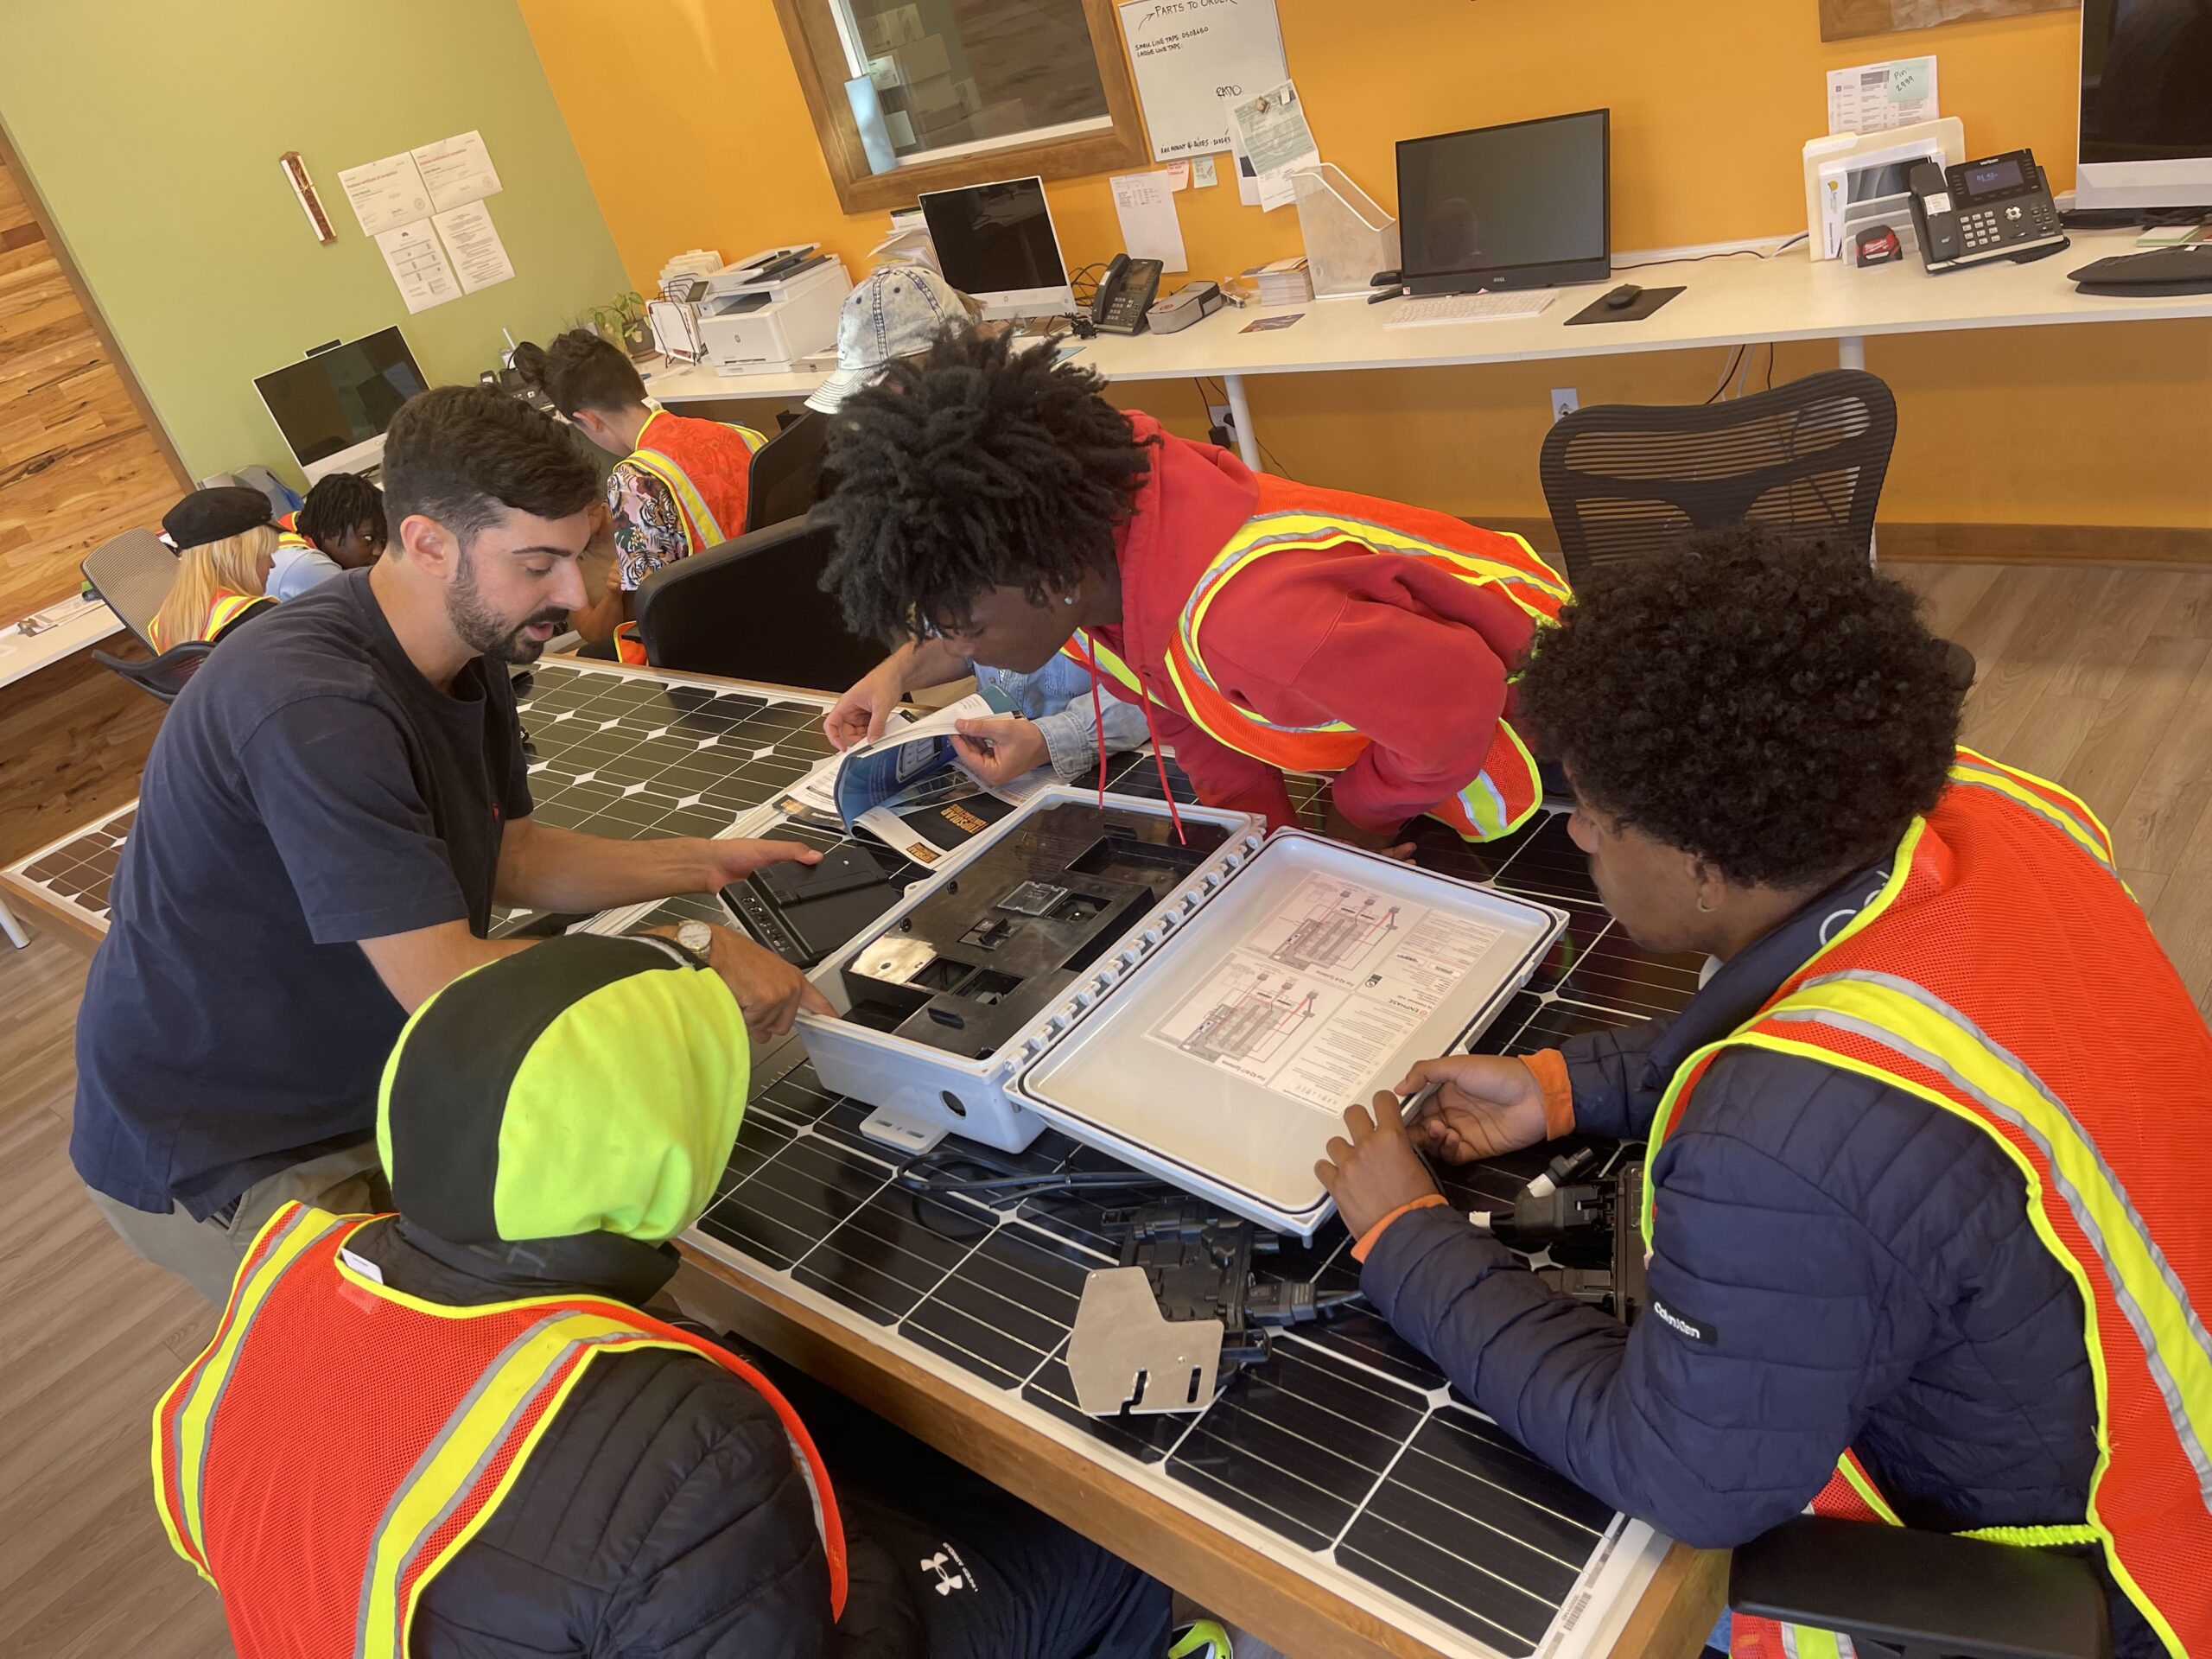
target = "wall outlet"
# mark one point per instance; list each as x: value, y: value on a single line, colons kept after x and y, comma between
x: 1221, y: 425
x: 1565, y: 401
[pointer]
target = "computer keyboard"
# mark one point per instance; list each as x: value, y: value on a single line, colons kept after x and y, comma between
x: 1469, y: 308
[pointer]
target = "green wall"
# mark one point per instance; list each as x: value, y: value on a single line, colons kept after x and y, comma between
x: 152, y: 130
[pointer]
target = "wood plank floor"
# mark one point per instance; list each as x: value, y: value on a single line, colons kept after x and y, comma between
x: 2101, y: 679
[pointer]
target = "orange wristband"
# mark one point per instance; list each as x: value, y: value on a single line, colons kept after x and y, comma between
x: 1370, y: 1239
x: 1549, y: 1067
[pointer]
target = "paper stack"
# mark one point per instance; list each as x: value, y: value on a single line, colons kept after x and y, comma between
x: 679, y: 273
x: 1286, y: 281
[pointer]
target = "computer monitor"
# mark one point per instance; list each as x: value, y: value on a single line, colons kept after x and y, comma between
x: 995, y: 244
x: 2146, y: 104
x: 1527, y: 205
x: 333, y: 408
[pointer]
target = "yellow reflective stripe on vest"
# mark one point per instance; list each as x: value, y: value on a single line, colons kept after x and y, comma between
x: 1115, y: 667
x: 2079, y: 824
x: 1281, y: 533
x: 296, y: 1232
x: 524, y: 1377
x: 1903, y: 1017
x: 1807, y: 1642
x: 226, y: 611
x: 1869, y: 1493
x: 700, y: 527
x: 1486, y: 808
x: 2037, y: 1537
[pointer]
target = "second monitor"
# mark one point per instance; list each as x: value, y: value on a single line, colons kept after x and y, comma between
x: 995, y: 244
x: 1527, y: 205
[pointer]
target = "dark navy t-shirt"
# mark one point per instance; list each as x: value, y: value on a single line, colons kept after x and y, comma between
x: 309, y: 789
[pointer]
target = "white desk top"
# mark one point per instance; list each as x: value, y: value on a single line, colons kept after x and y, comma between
x: 1726, y: 302
x: 77, y: 624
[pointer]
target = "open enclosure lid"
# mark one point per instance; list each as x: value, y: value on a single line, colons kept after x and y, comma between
x: 1222, y: 1059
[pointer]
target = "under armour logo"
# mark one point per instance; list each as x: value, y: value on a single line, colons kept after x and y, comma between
x: 948, y: 1582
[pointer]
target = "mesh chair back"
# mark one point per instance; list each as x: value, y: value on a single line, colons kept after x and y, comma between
x: 785, y: 479
x: 1806, y: 459
x: 753, y: 609
x: 160, y: 677
x: 133, y: 574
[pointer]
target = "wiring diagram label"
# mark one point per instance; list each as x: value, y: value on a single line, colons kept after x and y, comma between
x: 1323, y: 991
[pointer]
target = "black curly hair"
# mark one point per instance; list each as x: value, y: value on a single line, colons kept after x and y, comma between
x: 581, y: 370
x: 1774, y: 707
x: 970, y: 468
x: 340, y: 502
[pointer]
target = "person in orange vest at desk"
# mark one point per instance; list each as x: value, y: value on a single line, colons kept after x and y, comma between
x: 1926, y: 1168
x: 340, y: 527
x: 457, y: 1431
x: 993, y: 507
x: 225, y: 546
x: 679, y: 488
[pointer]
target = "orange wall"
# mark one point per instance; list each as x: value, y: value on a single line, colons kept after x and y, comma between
x: 1711, y: 100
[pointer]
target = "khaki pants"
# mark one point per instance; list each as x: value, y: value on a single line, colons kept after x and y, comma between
x: 206, y: 1254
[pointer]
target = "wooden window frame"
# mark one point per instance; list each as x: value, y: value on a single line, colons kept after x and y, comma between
x: 819, y: 56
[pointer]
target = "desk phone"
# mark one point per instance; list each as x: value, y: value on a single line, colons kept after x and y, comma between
x: 1999, y: 207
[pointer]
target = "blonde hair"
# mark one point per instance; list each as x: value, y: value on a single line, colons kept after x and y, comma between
x: 204, y: 574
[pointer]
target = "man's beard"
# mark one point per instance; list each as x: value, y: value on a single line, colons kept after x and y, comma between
x: 484, y: 632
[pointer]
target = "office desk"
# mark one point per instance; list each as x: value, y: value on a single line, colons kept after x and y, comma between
x: 1726, y: 302
x: 803, y: 1253
x: 80, y: 624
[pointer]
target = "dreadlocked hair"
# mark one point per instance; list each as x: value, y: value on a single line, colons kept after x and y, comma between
x: 1774, y: 707
x: 968, y: 467
x: 340, y: 502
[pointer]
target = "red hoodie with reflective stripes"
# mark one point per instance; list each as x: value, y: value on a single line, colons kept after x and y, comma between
x: 1407, y: 653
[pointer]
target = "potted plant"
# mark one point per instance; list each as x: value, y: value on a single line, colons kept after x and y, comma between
x: 624, y: 323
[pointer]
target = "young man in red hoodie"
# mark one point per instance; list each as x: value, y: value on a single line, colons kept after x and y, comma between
x: 993, y: 508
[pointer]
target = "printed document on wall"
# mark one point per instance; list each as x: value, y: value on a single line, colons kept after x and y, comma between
x: 1878, y: 96
x: 386, y: 194
x: 1150, y: 228
x: 479, y: 258
x: 1272, y: 136
x: 1190, y: 56
x: 457, y: 171
x: 418, y: 264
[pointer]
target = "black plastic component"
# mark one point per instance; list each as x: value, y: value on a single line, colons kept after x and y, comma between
x: 985, y: 954
x: 1922, y: 1594
x: 804, y: 912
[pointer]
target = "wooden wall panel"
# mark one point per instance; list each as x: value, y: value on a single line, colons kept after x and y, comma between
x: 78, y: 460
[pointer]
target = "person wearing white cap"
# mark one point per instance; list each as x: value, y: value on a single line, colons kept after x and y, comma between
x: 896, y: 312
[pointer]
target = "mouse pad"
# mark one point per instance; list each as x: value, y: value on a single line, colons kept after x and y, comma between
x: 1646, y: 302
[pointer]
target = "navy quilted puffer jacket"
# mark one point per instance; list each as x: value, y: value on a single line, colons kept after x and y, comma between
x: 1848, y: 1265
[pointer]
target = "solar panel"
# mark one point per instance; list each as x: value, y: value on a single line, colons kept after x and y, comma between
x: 1348, y: 1455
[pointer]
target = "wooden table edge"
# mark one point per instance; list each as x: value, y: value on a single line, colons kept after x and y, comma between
x: 65, y: 921
x: 1304, y: 1618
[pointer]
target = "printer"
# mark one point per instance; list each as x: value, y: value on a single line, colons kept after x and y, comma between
x: 761, y: 315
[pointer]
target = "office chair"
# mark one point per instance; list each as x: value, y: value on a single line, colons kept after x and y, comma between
x: 1922, y: 1595
x: 755, y: 608
x: 162, y: 676
x: 132, y: 574
x: 785, y: 479
x: 1806, y: 459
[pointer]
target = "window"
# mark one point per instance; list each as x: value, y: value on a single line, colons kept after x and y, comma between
x: 915, y: 95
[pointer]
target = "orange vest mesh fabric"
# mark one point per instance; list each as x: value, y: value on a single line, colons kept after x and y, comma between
x: 2007, y: 921
x: 335, y: 1394
x: 717, y: 459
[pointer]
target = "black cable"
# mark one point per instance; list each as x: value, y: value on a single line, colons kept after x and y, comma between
x: 1265, y: 454
x: 1725, y: 253
x: 1770, y: 349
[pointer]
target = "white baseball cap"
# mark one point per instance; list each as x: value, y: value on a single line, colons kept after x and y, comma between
x: 895, y: 312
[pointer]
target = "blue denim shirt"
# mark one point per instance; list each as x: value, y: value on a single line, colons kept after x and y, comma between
x: 1057, y: 698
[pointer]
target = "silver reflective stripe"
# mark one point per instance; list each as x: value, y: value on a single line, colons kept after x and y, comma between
x: 2081, y: 834
x: 2083, y: 1216
x: 198, y: 1518
x: 445, y: 1433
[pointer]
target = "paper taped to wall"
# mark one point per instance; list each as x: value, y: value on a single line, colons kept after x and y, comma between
x: 418, y: 264
x: 386, y: 194
x: 457, y: 171
x: 1188, y: 60
x: 1150, y: 229
x: 1880, y: 97
x: 479, y: 258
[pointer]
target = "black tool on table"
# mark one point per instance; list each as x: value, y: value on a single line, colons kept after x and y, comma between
x: 804, y: 912
x: 1587, y: 1233
x: 2161, y: 273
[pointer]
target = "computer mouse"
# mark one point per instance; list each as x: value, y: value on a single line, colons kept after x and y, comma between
x: 1623, y: 297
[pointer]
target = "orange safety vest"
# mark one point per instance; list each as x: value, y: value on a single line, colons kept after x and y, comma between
x: 338, y: 1442
x: 1500, y: 798
x: 708, y: 476
x: 2004, y: 974
x: 289, y: 533
x: 225, y: 608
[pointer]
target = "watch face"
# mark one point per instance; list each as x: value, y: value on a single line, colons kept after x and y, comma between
x: 697, y: 938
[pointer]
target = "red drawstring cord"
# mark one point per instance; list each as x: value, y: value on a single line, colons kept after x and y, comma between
x: 1098, y: 722
x: 1097, y: 728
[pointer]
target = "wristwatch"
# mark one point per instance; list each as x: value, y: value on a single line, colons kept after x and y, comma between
x: 698, y: 940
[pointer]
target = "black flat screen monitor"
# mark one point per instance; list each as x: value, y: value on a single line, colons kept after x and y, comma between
x: 1527, y: 205
x: 335, y: 403
x: 995, y: 244
x: 2146, y: 103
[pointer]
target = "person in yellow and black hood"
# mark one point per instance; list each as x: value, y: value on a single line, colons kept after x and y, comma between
x: 457, y: 1430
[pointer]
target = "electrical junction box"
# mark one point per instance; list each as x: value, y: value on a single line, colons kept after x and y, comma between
x: 1202, y: 1006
